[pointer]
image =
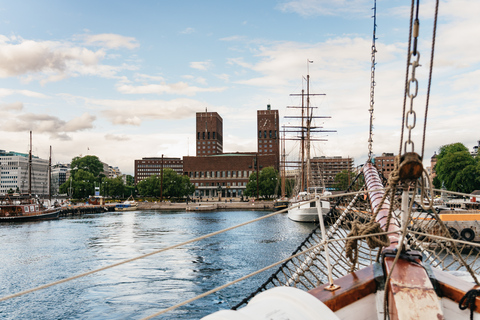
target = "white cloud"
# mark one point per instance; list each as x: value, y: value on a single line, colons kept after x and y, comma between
x: 188, y: 31
x: 179, y: 88
x: 201, y: 65
x: 111, y: 41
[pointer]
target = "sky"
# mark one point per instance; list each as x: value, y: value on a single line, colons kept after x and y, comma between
x: 123, y: 80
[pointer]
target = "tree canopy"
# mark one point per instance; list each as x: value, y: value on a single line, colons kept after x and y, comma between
x: 344, y: 178
x: 174, y: 185
x: 87, y: 163
x: 457, y: 169
x: 267, y: 183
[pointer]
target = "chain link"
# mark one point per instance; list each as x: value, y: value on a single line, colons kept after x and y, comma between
x: 372, y: 82
x: 411, y: 116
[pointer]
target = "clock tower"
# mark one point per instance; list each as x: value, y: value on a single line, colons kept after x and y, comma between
x: 268, y: 132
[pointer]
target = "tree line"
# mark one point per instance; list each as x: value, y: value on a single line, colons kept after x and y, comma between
x: 86, y: 177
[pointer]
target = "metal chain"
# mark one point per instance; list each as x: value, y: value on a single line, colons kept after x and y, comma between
x: 372, y: 82
x: 410, y: 117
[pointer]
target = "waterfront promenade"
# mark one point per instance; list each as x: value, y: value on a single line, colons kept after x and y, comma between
x: 171, y: 206
x: 207, y: 205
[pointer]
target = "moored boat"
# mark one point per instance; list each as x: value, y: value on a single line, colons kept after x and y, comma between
x: 24, y: 208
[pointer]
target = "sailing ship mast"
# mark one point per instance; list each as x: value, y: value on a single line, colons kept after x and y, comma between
x: 30, y: 167
x: 305, y: 131
x: 50, y: 176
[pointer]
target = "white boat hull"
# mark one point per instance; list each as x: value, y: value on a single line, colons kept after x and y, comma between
x: 305, y: 212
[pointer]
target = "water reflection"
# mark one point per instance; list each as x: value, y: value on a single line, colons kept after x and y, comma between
x: 42, y: 252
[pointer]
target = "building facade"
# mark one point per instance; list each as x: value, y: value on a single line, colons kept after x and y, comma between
x: 385, y: 164
x: 224, y: 175
x: 268, y: 139
x: 147, y: 167
x: 324, y: 170
x: 59, y: 176
x: 209, y: 134
x: 14, y: 175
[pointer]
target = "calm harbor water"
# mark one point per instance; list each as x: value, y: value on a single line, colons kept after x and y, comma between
x: 38, y: 253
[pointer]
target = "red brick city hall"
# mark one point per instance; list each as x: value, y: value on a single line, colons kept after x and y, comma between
x: 213, y: 172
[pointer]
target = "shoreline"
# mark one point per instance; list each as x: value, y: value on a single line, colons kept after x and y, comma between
x: 206, y: 206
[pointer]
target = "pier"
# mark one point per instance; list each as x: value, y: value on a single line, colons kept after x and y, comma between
x: 170, y: 206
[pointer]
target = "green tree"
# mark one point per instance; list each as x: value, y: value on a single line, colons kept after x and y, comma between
x: 88, y: 163
x: 267, y: 183
x: 85, y: 173
x: 113, y: 187
x: 80, y: 185
x: 456, y: 169
x: 174, y: 185
x: 130, y: 185
x: 344, y: 178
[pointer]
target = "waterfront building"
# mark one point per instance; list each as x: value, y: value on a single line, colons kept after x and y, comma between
x: 224, y: 175
x: 385, y: 164
x: 209, y: 136
x: 215, y: 173
x: 147, y: 167
x: 268, y: 139
x: 324, y: 169
x: 59, y: 176
x: 14, y: 173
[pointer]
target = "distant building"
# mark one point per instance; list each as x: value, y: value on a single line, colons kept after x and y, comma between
x: 385, y: 164
x: 147, y: 167
x: 324, y: 170
x: 224, y: 175
x: 475, y: 149
x: 59, y: 177
x: 14, y: 173
x: 268, y: 139
x: 209, y: 134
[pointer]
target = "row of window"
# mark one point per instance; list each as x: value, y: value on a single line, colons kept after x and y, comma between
x: 158, y: 168
x: 228, y: 184
x: 205, y: 135
x: 219, y: 174
x: 271, y: 134
x: 175, y: 164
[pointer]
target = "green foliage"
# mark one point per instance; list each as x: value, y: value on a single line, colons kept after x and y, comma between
x: 112, y: 187
x: 130, y: 180
x: 267, y: 183
x: 456, y: 169
x: 174, y: 185
x: 84, y: 174
x: 344, y: 178
x: 88, y: 163
x: 81, y: 185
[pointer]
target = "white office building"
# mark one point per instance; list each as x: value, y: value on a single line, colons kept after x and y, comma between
x: 14, y: 173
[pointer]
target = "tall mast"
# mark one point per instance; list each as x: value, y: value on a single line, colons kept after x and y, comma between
x: 50, y: 176
x: 30, y: 167
x: 283, y: 164
x: 308, y: 133
x: 302, y: 161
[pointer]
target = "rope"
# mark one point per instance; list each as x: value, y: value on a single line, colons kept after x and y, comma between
x: 430, y: 75
x: 406, y: 77
x: 468, y: 301
x: 359, y: 229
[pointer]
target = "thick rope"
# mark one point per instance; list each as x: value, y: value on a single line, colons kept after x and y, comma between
x: 468, y: 301
x: 359, y: 229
